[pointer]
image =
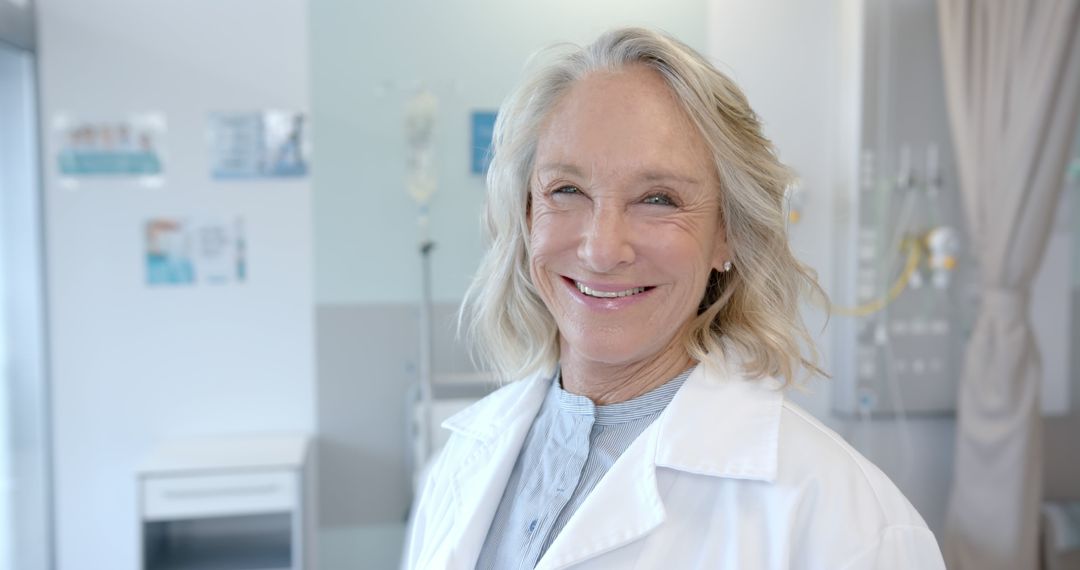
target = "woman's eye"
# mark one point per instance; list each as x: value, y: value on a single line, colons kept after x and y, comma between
x: 566, y: 190
x: 659, y: 200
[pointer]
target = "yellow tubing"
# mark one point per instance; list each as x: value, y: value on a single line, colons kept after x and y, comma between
x: 914, y: 255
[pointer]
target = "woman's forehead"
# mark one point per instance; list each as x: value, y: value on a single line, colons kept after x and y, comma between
x: 620, y: 121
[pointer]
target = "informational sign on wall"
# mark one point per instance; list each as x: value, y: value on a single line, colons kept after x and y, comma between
x: 483, y: 125
x: 129, y: 147
x: 191, y: 251
x: 258, y: 144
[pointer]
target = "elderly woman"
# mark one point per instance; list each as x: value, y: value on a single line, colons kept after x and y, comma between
x: 641, y: 289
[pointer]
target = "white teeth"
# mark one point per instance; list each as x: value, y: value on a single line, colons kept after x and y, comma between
x: 608, y: 294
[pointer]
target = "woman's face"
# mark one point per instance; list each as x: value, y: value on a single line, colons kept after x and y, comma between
x: 624, y: 218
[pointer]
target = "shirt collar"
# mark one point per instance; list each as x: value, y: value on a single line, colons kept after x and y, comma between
x: 638, y: 408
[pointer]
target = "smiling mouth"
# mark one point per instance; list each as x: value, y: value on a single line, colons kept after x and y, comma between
x: 609, y: 294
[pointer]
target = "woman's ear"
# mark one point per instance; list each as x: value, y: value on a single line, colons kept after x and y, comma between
x: 721, y: 249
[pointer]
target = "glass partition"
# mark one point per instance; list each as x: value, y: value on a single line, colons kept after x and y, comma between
x: 24, y: 470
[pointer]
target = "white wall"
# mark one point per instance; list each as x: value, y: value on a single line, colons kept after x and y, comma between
x: 798, y: 63
x: 131, y: 364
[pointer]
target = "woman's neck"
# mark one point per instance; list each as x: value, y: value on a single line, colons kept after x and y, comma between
x: 612, y: 383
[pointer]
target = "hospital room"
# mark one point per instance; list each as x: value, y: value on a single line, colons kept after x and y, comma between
x: 442, y: 285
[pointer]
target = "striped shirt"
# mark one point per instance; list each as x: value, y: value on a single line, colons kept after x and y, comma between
x: 572, y: 443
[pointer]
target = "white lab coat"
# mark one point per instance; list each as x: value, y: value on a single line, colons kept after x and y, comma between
x: 730, y: 476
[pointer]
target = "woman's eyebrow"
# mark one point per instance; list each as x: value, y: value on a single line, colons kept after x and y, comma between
x: 667, y: 176
x: 560, y: 168
x: 648, y: 175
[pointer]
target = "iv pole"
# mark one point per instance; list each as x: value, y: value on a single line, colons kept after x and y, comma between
x: 419, y: 124
x: 426, y: 397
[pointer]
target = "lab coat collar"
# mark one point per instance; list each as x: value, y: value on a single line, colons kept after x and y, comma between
x: 718, y: 424
x: 498, y: 425
x: 722, y: 424
x: 489, y: 418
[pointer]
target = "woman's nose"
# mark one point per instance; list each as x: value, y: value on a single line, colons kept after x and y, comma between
x: 606, y: 243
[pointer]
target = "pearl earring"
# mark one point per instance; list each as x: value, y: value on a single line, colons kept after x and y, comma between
x: 727, y: 266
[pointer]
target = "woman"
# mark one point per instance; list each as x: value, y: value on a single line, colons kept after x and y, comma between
x: 640, y: 285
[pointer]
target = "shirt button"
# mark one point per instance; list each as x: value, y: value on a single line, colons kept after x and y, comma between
x: 532, y: 525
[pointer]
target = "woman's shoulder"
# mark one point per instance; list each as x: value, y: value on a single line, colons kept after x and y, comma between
x: 813, y: 456
x: 843, y: 494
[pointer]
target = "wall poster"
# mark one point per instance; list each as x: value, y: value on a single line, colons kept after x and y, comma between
x: 190, y: 251
x: 128, y: 148
x: 258, y: 144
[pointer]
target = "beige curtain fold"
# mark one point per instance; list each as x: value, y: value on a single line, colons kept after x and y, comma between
x: 1012, y: 77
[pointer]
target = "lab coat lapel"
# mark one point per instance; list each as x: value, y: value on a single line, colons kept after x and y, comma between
x: 722, y: 424
x: 497, y: 428
x: 623, y: 507
x: 741, y: 420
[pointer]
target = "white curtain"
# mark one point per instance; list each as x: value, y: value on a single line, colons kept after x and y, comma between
x: 1012, y: 77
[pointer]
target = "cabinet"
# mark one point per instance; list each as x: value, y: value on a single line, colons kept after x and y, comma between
x: 236, y: 503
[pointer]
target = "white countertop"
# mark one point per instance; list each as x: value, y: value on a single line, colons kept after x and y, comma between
x: 211, y: 453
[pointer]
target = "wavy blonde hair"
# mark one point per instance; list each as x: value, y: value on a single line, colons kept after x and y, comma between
x: 752, y: 309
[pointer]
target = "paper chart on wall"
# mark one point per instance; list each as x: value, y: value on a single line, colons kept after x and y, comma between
x: 129, y: 147
x: 258, y: 144
x: 189, y: 251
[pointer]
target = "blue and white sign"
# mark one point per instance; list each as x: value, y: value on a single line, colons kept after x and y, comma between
x: 483, y: 125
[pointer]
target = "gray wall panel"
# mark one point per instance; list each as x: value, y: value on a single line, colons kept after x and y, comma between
x: 367, y: 361
x: 17, y: 24
x: 1061, y: 437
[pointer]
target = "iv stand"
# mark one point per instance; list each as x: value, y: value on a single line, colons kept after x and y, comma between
x: 419, y: 125
x: 426, y: 396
